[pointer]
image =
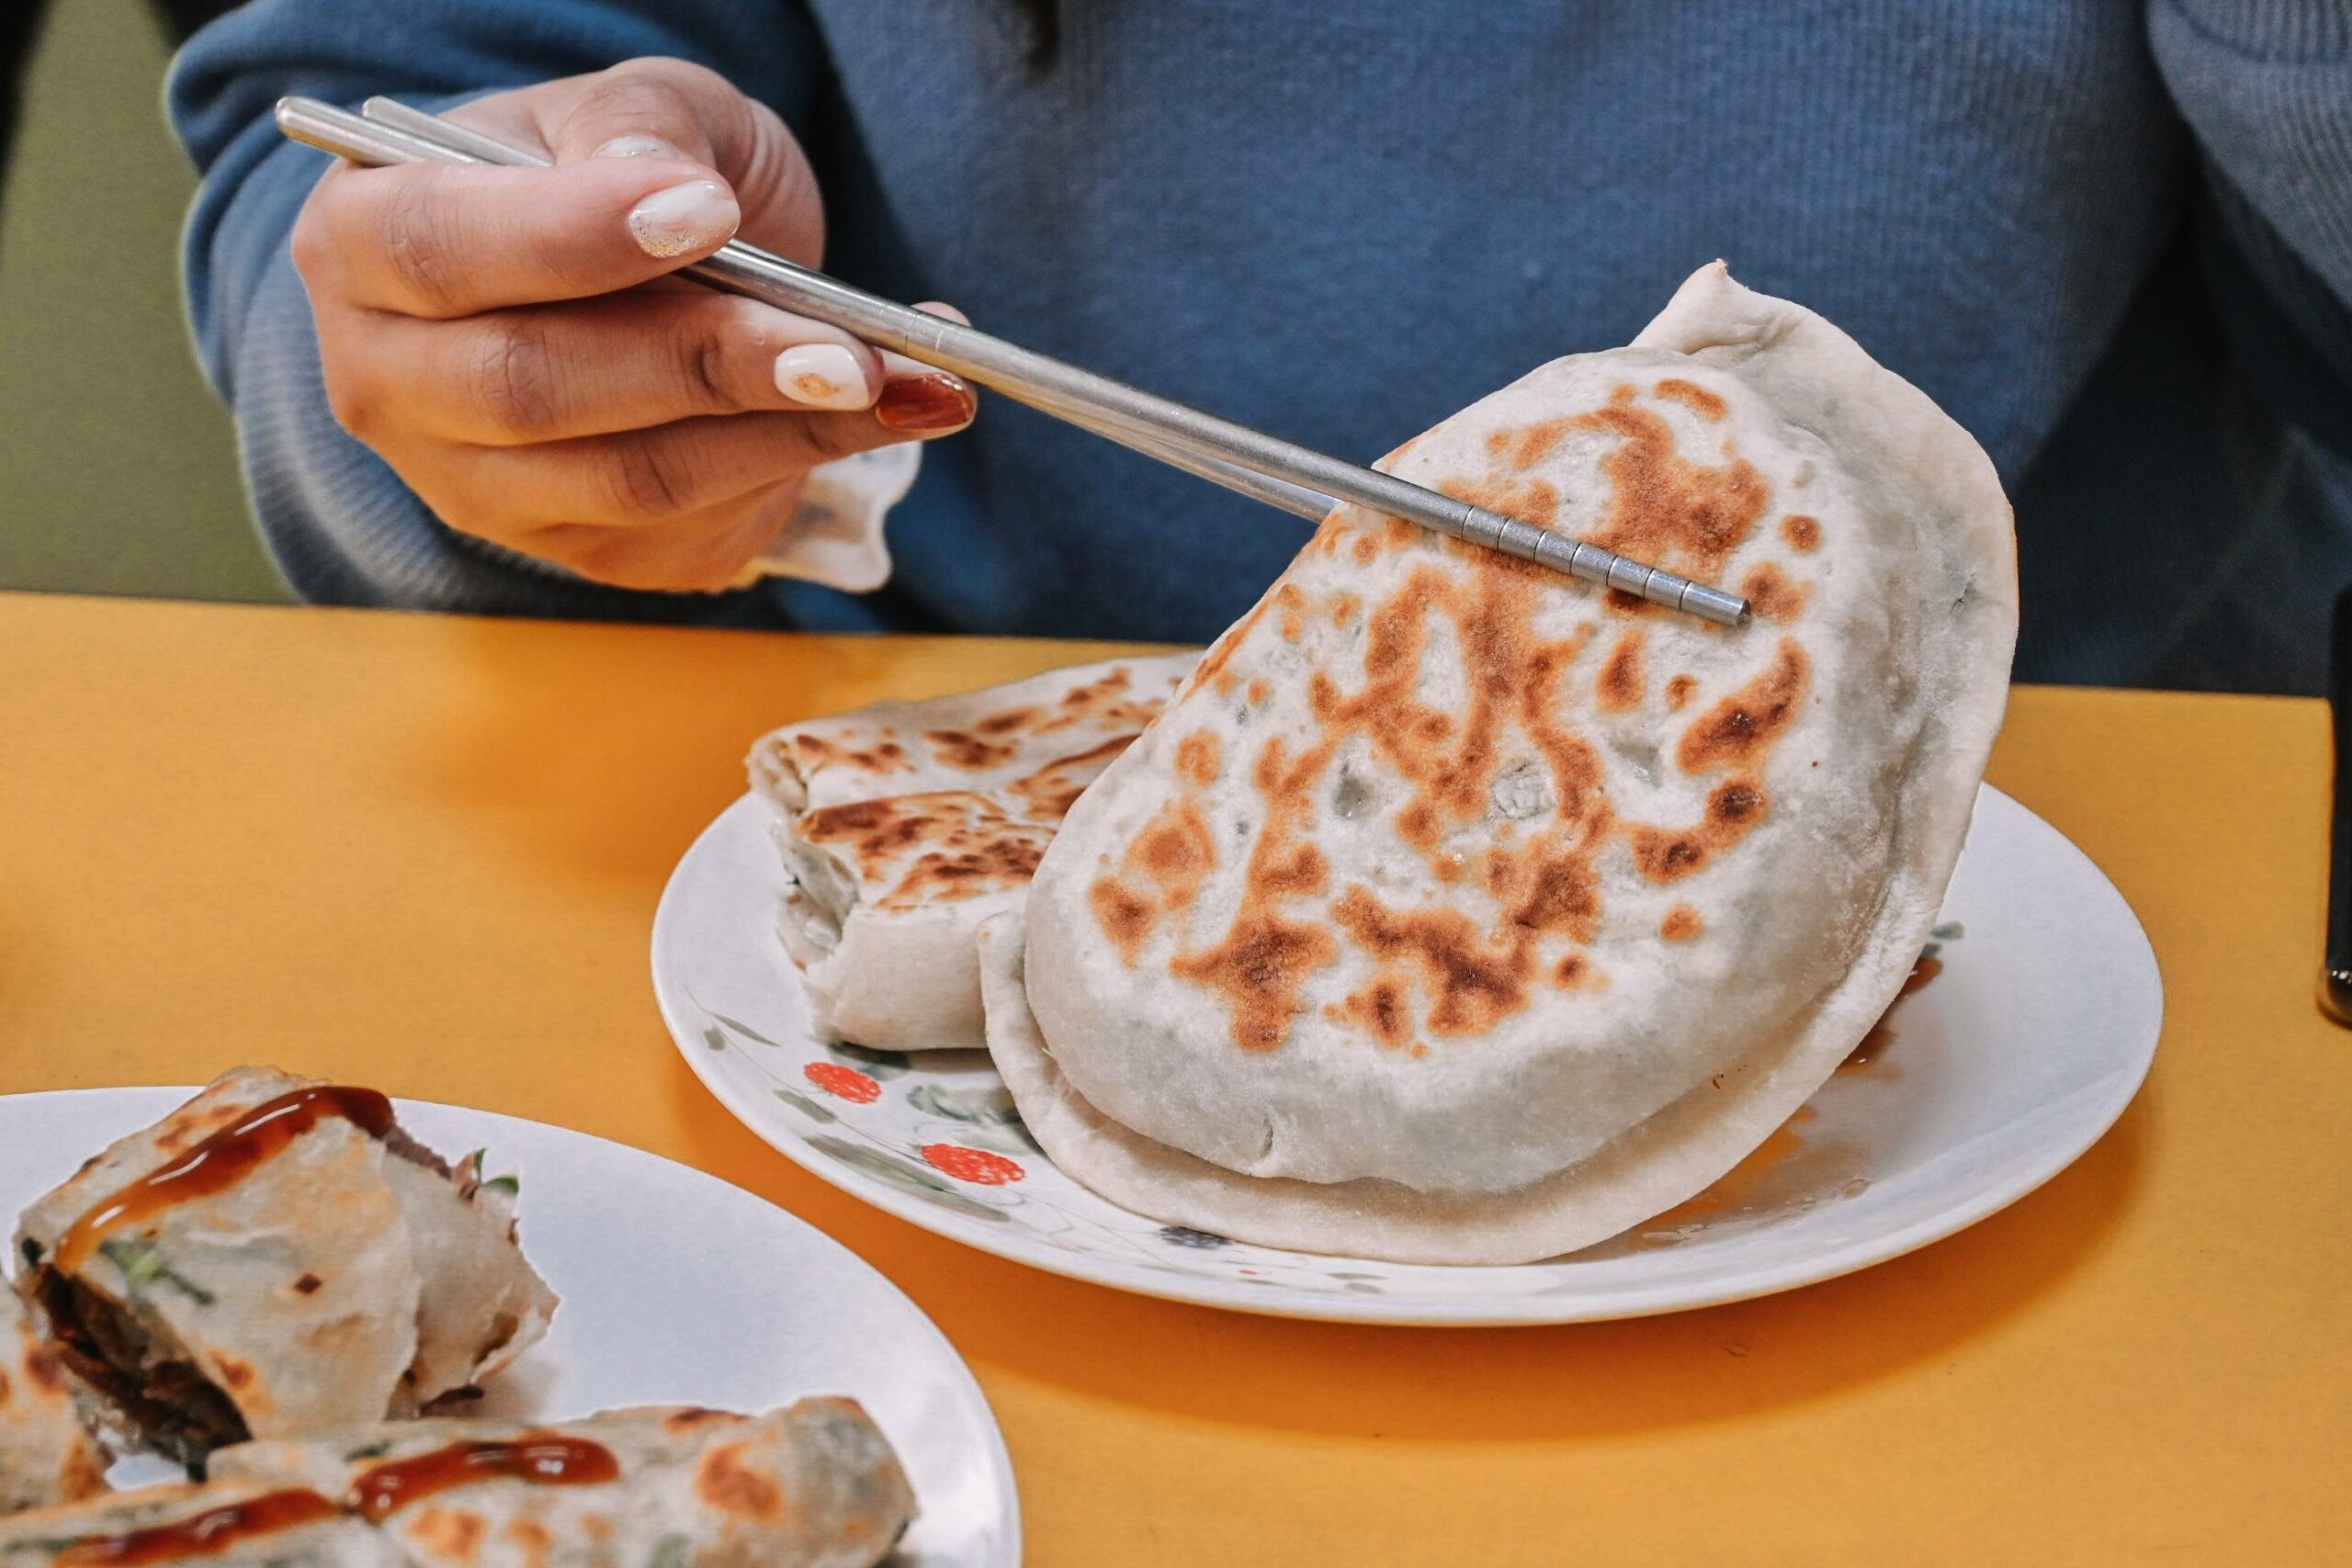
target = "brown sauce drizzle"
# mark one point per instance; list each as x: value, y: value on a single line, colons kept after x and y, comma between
x: 535, y: 1459
x: 222, y: 1160
x: 208, y: 1534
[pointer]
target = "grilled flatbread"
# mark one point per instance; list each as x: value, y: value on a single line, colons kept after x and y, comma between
x: 812, y: 1485
x: 1454, y: 912
x: 310, y: 1266
x: 905, y: 825
x: 224, y: 1524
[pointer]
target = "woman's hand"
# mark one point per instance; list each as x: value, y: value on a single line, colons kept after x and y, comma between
x: 475, y: 331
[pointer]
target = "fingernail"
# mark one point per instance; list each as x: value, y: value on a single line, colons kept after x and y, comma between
x: 925, y: 402
x: 822, y: 375
x: 690, y: 217
x: 637, y: 146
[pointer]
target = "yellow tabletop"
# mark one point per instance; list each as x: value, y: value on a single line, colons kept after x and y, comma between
x: 423, y: 852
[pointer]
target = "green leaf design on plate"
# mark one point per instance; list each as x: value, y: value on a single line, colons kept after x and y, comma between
x: 713, y: 1038
x: 805, y: 1106
x: 1014, y: 1139
x: 904, y: 1174
x: 1950, y: 930
x: 874, y: 1064
x: 745, y: 1029
x: 510, y: 1185
x: 991, y: 1107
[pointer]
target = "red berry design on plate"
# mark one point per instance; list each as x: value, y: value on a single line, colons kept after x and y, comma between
x: 844, y: 1083
x: 977, y: 1166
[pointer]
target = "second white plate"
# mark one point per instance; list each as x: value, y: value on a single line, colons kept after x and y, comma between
x: 678, y: 1289
x: 1985, y: 1084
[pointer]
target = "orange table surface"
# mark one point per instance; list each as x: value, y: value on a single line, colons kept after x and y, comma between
x: 423, y: 852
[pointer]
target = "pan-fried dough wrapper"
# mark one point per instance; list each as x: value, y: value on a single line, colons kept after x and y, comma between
x: 46, y: 1454
x: 905, y: 825
x: 342, y: 1280
x: 336, y: 1539
x: 812, y: 1485
x: 1456, y: 912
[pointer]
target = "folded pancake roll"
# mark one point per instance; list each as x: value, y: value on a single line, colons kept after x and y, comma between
x: 277, y: 1256
x: 1455, y: 912
x: 46, y: 1454
x: 905, y: 825
x: 812, y: 1485
x: 223, y: 1525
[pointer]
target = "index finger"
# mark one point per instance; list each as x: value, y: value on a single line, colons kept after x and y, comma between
x: 440, y: 241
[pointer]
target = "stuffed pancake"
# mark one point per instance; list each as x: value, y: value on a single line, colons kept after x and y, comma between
x: 905, y: 825
x: 224, y: 1524
x: 812, y: 1485
x: 1458, y: 912
x: 277, y: 1256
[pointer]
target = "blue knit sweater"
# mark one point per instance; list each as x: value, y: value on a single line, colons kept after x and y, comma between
x: 2113, y: 239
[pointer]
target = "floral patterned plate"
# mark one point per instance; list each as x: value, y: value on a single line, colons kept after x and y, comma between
x: 2030, y: 1024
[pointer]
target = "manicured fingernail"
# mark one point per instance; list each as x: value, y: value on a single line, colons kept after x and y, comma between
x: 690, y: 217
x: 925, y: 402
x: 822, y: 375
x: 637, y: 146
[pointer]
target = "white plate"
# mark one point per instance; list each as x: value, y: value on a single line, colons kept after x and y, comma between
x: 2016, y: 1058
x: 677, y: 1289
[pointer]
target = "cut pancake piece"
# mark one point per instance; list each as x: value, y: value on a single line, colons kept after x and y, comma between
x: 1457, y: 912
x: 274, y: 1256
x: 904, y: 825
x: 46, y: 1453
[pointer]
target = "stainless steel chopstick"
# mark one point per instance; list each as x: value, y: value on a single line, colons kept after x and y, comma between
x: 1294, y: 478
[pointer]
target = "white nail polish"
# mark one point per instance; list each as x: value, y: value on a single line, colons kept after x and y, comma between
x: 690, y: 217
x: 637, y: 146
x: 822, y: 376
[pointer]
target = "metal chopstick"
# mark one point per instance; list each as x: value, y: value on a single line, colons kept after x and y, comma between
x: 1294, y: 478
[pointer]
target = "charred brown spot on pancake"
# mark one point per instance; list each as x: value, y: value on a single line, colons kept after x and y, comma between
x: 1379, y: 1010
x: 1682, y: 923
x: 1679, y: 691
x: 1741, y: 727
x: 1573, y: 973
x: 1258, y: 693
x: 959, y: 749
x: 41, y: 1371
x: 447, y: 1534
x: 728, y: 1484
x: 1366, y: 550
x: 1006, y: 861
x: 1344, y: 607
x: 1564, y: 894
x: 1665, y: 509
x: 688, y: 1420
x: 530, y: 1538
x: 1010, y: 721
x: 1692, y: 396
x: 308, y: 1284
x: 1772, y: 593
x: 1734, y: 807
x: 1052, y: 790
x: 1618, y: 689
x: 1417, y: 825
x: 1104, y: 703
x: 1198, y: 756
x: 1803, y: 533
x: 1529, y: 445
x: 237, y: 1375
x: 1177, y: 853
x: 1473, y: 989
x: 1211, y: 671
x: 1126, y: 917
x: 887, y: 758
x: 1293, y: 605
x: 1259, y: 968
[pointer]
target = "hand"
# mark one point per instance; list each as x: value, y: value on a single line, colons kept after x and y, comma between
x: 505, y: 339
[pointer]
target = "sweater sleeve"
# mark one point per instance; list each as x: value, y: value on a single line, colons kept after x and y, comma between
x: 342, y: 526
x: 2266, y: 86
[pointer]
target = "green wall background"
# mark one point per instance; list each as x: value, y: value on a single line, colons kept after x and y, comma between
x: 117, y: 468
